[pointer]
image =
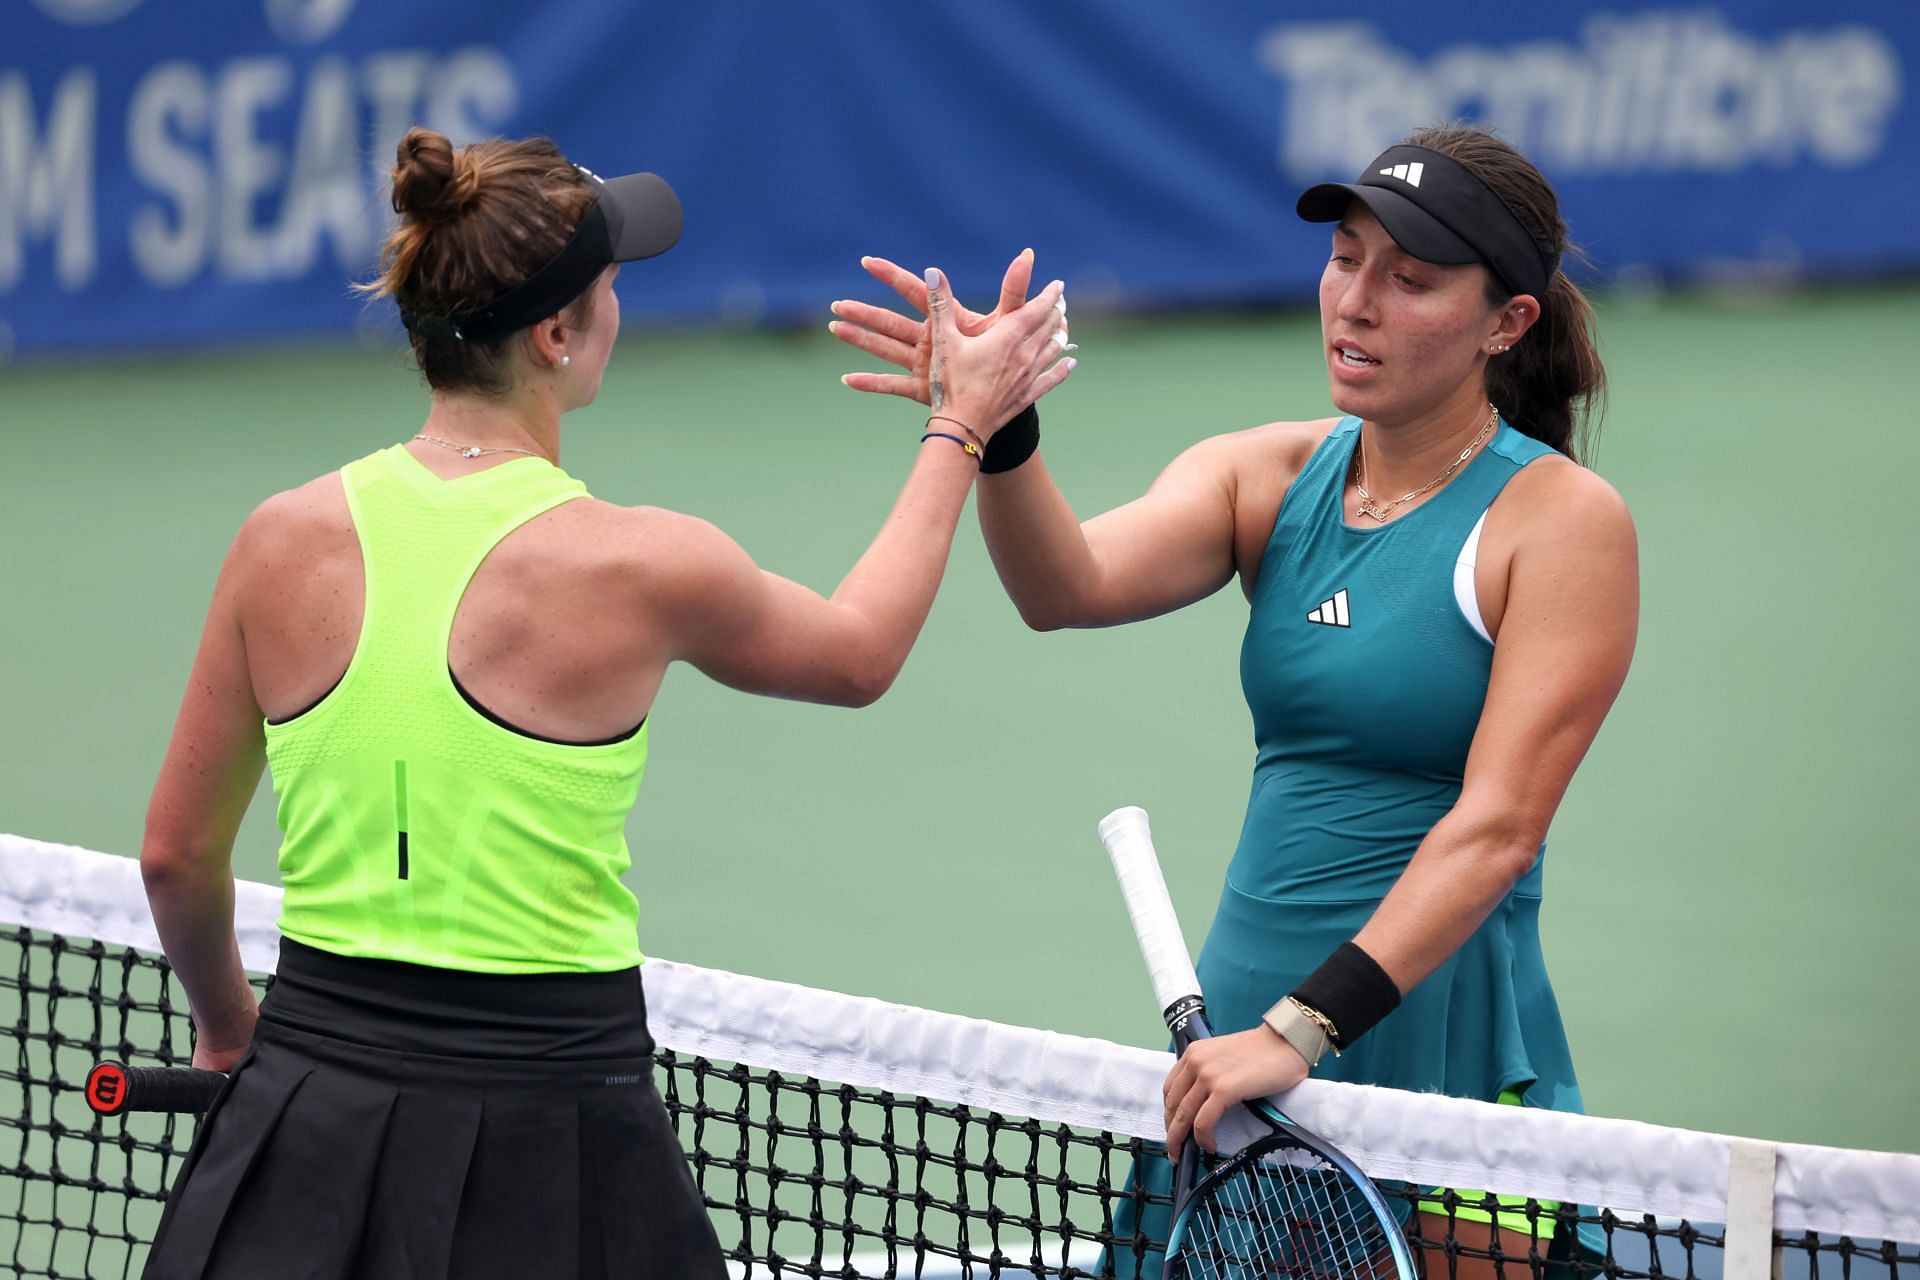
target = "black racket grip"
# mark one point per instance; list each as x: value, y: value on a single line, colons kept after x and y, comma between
x: 115, y: 1089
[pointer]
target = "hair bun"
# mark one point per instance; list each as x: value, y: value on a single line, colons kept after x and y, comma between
x: 428, y: 183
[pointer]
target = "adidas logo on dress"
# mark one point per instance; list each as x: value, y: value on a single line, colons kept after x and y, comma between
x: 1332, y: 613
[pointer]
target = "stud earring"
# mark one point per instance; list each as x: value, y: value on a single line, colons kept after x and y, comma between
x: 567, y: 360
x: 1500, y: 348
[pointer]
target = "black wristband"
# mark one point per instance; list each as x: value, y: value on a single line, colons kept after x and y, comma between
x: 1014, y: 443
x: 1352, y: 990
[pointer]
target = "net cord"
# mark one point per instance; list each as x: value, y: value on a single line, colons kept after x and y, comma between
x: 1095, y: 1084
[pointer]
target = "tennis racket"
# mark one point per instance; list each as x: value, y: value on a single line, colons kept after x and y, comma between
x: 114, y: 1088
x: 1285, y: 1205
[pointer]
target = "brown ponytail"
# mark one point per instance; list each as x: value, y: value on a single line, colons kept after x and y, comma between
x: 1552, y: 385
x: 473, y: 224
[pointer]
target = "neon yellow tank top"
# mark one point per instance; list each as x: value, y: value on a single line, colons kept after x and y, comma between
x: 415, y: 828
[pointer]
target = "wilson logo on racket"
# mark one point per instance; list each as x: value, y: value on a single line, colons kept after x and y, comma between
x: 114, y: 1088
x: 107, y: 1088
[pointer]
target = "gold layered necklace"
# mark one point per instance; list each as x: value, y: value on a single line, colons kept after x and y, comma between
x: 1380, y: 511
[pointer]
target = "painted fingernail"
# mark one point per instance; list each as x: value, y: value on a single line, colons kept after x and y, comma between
x: 1072, y: 364
x: 1026, y: 253
x: 846, y: 379
x: 933, y: 277
x: 865, y: 260
x: 1071, y: 346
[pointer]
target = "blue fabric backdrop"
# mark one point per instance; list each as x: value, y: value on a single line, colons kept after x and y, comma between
x: 187, y: 171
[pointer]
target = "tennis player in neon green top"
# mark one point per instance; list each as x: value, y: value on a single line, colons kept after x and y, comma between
x: 454, y: 649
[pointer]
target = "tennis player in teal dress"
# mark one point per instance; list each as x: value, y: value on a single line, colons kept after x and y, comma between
x: 1443, y: 609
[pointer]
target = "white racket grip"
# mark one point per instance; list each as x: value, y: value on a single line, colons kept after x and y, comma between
x: 1129, y: 843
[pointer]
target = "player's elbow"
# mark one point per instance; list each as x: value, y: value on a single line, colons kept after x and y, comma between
x: 1048, y: 610
x: 1502, y: 845
x: 1039, y: 618
x: 863, y: 690
x: 1511, y: 859
x: 176, y: 850
x: 1506, y: 856
x: 863, y: 678
x: 168, y: 865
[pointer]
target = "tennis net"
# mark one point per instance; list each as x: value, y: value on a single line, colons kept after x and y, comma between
x: 840, y: 1136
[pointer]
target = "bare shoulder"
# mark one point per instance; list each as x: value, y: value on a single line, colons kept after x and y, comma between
x: 679, y: 571
x: 648, y: 534
x: 1284, y: 446
x: 1556, y: 498
x: 1295, y: 441
x: 1261, y: 465
x: 310, y: 516
x: 1250, y: 471
x: 1252, y: 467
x: 320, y: 498
x: 657, y: 549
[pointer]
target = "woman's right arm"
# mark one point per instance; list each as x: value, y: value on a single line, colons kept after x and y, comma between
x: 1167, y: 549
x: 1164, y: 550
x: 760, y: 632
x: 213, y: 763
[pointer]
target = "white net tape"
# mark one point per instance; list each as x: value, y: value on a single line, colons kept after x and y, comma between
x: 1093, y: 1084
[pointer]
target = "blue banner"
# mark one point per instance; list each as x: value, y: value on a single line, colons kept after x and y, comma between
x: 190, y: 171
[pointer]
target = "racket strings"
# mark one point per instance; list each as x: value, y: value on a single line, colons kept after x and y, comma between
x: 1285, y: 1220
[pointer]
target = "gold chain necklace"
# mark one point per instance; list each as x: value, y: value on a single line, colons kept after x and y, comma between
x: 1368, y: 507
x: 472, y: 450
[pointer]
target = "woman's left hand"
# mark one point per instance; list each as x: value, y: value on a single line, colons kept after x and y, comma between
x: 1215, y: 1074
x: 903, y: 341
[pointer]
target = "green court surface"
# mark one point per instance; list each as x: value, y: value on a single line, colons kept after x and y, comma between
x: 1732, y: 878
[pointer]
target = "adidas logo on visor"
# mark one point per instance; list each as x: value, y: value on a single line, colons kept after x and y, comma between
x: 1333, y: 613
x: 1407, y: 173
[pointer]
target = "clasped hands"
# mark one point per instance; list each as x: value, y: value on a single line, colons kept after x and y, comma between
x: 956, y: 361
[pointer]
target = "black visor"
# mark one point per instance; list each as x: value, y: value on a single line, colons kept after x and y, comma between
x: 1437, y: 210
x: 632, y: 217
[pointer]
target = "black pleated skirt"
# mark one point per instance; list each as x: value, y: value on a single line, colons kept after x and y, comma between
x: 397, y: 1122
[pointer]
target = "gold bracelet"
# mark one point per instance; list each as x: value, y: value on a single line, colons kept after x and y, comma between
x: 1289, y: 1021
x: 1319, y: 1020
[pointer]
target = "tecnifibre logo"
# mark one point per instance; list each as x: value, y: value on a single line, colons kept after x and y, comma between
x: 1657, y: 91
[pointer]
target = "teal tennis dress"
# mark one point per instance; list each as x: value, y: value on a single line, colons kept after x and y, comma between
x: 1365, y: 671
